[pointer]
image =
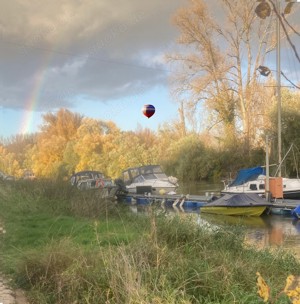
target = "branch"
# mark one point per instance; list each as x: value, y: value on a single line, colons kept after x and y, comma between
x: 285, y: 31
x: 289, y: 81
x: 293, y: 29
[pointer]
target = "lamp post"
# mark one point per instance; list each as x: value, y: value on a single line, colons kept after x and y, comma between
x: 263, y: 10
x: 278, y: 63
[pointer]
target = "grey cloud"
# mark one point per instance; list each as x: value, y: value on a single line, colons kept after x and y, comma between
x: 91, y: 48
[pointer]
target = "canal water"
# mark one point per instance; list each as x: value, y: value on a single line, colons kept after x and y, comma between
x: 272, y: 231
x: 200, y: 188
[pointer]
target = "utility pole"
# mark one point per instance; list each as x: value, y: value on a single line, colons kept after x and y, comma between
x: 267, y: 186
x: 278, y: 63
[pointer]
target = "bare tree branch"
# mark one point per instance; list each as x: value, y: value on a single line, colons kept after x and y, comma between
x: 289, y: 80
x: 292, y: 28
x: 284, y: 29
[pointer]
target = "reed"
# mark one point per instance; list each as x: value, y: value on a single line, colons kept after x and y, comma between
x: 59, y: 255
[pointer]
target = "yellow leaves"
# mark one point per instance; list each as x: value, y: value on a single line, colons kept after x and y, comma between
x: 263, y: 288
x: 291, y: 289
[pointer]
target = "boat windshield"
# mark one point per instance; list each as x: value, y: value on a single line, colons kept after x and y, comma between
x: 150, y: 169
x: 138, y: 179
x: 149, y: 176
x: 82, y: 175
x: 161, y: 175
x: 148, y: 172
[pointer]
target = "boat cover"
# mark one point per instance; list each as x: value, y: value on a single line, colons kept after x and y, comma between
x: 246, y: 175
x: 296, y: 212
x: 239, y: 200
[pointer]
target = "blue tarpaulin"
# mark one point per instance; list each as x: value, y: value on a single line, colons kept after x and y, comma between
x: 246, y: 175
x: 296, y: 212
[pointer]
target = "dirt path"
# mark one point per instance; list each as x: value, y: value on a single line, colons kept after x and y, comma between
x: 7, y: 295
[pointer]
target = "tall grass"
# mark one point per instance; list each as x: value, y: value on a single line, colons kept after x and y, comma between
x: 56, y: 197
x: 195, y: 267
x: 127, y: 258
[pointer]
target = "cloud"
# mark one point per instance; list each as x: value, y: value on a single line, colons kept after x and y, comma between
x: 61, y: 49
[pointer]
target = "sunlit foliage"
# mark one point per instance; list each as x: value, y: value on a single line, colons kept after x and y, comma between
x: 291, y: 290
x: 217, y: 67
x: 92, y: 144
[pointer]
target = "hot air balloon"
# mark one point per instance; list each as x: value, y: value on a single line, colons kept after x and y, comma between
x: 148, y: 110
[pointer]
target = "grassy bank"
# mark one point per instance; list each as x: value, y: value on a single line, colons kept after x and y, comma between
x: 66, y: 246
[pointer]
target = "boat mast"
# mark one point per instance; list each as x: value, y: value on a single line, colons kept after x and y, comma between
x: 267, y: 187
x: 278, y: 63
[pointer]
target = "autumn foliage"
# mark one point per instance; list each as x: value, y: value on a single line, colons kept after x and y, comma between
x: 68, y: 142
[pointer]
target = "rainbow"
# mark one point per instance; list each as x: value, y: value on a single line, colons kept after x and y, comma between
x: 31, y: 103
x: 34, y: 95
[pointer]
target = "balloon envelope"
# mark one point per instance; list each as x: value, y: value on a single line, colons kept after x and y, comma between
x: 148, y: 110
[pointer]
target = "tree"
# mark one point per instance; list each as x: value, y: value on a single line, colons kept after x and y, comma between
x: 9, y: 164
x: 95, y: 139
x: 58, y: 129
x: 218, y: 66
x: 290, y: 121
x: 20, y: 146
x: 63, y: 123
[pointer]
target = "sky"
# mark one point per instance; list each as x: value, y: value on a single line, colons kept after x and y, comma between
x: 103, y: 59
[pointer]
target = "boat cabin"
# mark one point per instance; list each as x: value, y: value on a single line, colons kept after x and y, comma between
x: 140, y: 174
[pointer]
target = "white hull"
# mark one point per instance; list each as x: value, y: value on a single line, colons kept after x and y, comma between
x: 154, y: 189
x: 291, y: 188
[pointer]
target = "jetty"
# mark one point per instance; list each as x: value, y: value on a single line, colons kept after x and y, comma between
x: 198, y: 201
x: 286, y: 203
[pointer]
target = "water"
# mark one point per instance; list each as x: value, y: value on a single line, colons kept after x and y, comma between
x: 200, y: 188
x: 272, y: 231
x: 268, y: 231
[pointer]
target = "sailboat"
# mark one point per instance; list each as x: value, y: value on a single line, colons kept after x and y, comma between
x: 253, y: 180
x: 256, y: 180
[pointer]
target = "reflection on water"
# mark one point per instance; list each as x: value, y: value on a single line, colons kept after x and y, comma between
x: 200, y: 188
x: 268, y: 231
x: 272, y: 231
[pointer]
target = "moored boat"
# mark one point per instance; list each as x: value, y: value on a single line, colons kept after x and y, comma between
x: 149, y: 179
x: 245, y: 204
x: 252, y: 180
x: 89, y: 179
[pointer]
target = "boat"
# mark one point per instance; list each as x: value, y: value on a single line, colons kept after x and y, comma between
x: 244, y: 204
x: 6, y: 177
x: 296, y: 213
x: 256, y: 222
x: 252, y: 180
x: 89, y: 179
x: 149, y: 179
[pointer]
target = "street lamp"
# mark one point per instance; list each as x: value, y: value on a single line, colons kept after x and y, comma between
x: 263, y: 10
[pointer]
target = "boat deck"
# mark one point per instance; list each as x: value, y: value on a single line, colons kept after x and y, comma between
x: 189, y: 197
x: 286, y: 203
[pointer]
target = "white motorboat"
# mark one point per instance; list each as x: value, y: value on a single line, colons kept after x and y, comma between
x: 149, y: 179
x: 252, y: 180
